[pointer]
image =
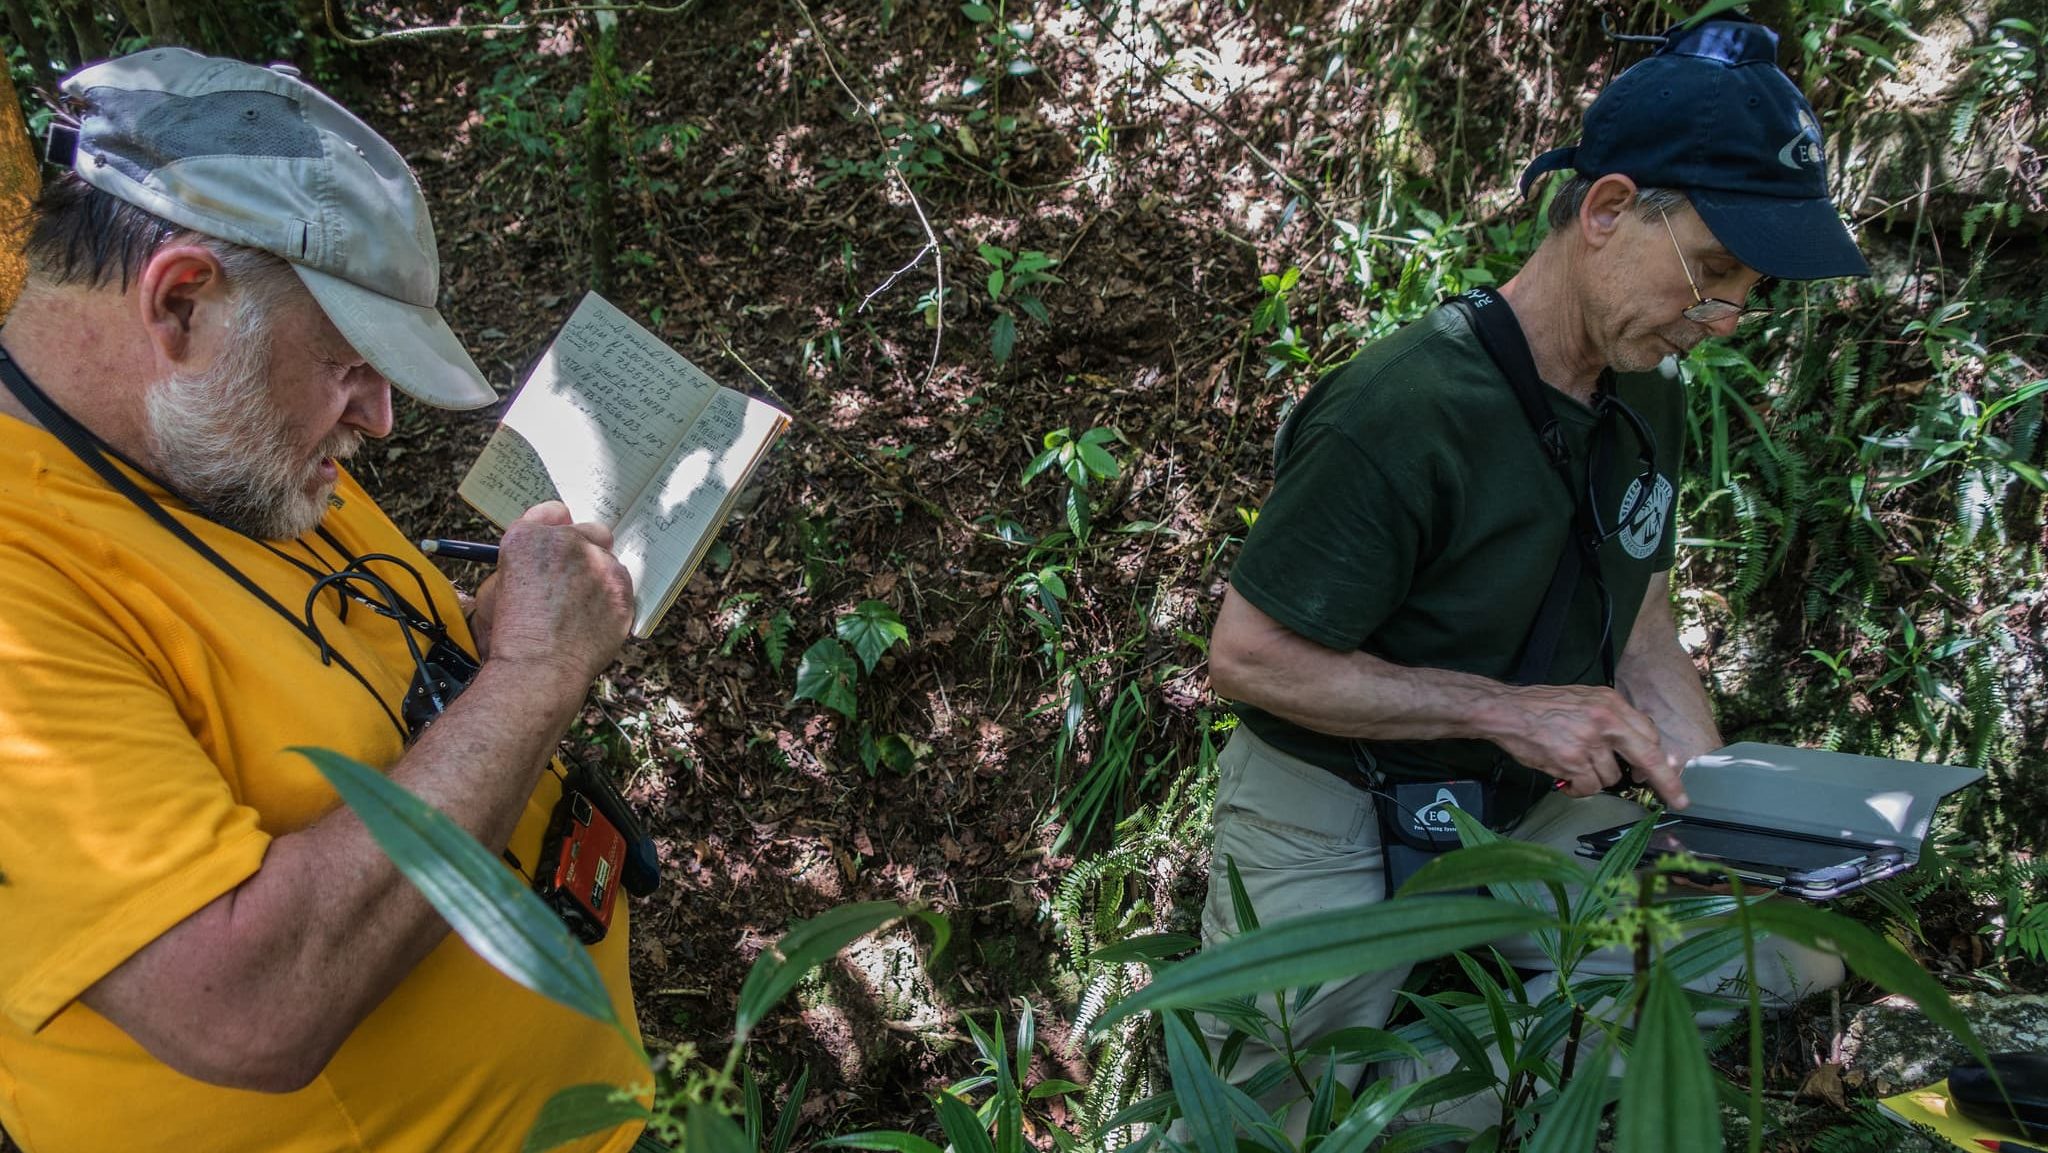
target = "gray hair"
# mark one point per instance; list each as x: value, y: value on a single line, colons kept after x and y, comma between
x: 1571, y: 196
x: 85, y: 236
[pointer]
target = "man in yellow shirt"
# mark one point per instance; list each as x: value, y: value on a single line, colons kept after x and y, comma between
x: 201, y: 948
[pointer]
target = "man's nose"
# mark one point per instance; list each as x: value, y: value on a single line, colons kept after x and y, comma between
x: 369, y: 404
x: 1725, y: 327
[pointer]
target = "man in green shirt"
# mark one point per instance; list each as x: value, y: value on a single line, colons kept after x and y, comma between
x: 1378, y: 615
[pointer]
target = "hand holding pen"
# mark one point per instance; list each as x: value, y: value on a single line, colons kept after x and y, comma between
x: 467, y: 550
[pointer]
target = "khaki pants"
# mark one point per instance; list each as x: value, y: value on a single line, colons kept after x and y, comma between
x: 1306, y: 842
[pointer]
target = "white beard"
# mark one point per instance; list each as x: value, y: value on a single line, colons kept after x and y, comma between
x: 221, y: 443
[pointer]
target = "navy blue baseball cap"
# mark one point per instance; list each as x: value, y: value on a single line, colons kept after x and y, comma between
x: 1710, y: 115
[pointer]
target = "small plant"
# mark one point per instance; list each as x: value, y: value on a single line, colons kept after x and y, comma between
x: 739, y: 617
x: 827, y: 671
x: 997, y: 1125
x: 1082, y: 460
x: 1012, y: 281
x: 1668, y: 1098
x: 693, y: 1105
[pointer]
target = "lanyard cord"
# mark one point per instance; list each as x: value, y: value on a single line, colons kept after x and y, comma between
x: 93, y: 452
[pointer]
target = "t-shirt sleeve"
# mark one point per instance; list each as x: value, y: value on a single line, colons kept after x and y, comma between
x: 1338, y: 540
x: 115, y: 825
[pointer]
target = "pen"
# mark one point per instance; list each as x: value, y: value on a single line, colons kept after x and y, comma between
x: 461, y: 550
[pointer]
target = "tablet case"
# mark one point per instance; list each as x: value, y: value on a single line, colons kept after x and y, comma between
x: 1874, y: 800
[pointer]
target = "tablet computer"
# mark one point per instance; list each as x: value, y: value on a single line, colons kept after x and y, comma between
x: 1802, y: 865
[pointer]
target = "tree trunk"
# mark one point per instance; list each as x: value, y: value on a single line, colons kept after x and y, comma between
x: 136, y: 15
x: 598, y: 114
x: 85, y: 27
x: 19, y: 182
x: 164, y: 27
x: 31, y: 40
x: 231, y: 37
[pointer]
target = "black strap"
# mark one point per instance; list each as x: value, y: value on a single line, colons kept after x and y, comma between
x: 93, y: 452
x: 1501, y: 335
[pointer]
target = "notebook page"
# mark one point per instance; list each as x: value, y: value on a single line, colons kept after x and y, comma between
x: 669, y: 528
x: 593, y: 423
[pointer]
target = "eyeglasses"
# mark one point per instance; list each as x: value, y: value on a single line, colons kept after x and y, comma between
x: 1709, y: 310
x: 441, y: 670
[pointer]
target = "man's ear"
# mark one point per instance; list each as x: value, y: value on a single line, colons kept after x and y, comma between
x: 1600, y: 214
x: 182, y: 300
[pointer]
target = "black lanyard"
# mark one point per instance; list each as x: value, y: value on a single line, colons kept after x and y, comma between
x: 95, y: 454
x: 1502, y: 337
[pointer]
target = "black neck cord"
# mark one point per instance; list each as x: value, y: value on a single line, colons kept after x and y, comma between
x: 91, y: 450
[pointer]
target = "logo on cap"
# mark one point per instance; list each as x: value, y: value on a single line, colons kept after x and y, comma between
x: 1803, y: 149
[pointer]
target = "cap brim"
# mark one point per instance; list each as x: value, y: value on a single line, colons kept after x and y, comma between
x: 1787, y: 239
x: 411, y: 345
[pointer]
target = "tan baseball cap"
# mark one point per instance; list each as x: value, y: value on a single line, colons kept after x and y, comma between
x: 258, y: 157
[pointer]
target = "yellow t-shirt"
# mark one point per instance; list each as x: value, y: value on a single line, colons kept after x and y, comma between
x: 146, y: 703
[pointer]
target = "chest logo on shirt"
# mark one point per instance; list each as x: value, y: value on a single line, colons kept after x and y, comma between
x: 1645, y: 527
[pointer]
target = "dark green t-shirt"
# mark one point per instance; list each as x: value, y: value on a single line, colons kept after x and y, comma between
x: 1414, y: 515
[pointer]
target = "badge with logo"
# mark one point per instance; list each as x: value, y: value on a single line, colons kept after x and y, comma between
x: 1645, y: 526
x: 1804, y: 150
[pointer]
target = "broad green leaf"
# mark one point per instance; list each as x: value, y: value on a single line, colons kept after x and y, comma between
x: 963, y: 1129
x: 579, y: 1111
x: 1034, y: 307
x: 1626, y: 854
x: 1870, y: 956
x: 1496, y: 1004
x: 1428, y: 1136
x: 1471, y: 1051
x: 1325, y: 946
x: 1203, y: 1100
x: 891, y: 1139
x: 706, y: 1130
x: 825, y: 674
x: 995, y: 284
x: 1667, y: 1097
x: 1077, y: 511
x: 1573, y: 1119
x: 990, y: 254
x: 1099, y: 462
x: 1053, y: 1087
x: 1376, y: 1108
x: 1002, y: 337
x: 1241, y: 910
x: 486, y: 904
x: 980, y: 14
x: 1027, y: 1039
x: 1039, y: 464
x: 792, y: 1112
x: 1149, y: 948
x: 871, y: 628
x: 1361, y: 1045
x: 1501, y: 862
x: 811, y: 943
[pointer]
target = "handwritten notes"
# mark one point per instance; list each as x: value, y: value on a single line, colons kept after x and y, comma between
x: 626, y: 432
x: 668, y: 529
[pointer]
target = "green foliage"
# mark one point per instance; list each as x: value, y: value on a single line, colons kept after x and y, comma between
x: 483, y: 902
x: 827, y: 672
x: 499, y: 917
x: 1082, y: 461
x: 1013, y: 279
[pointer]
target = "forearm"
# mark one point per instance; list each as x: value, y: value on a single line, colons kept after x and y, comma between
x: 1658, y: 677
x: 307, y: 947
x: 1356, y: 694
x: 1349, y: 694
x: 1579, y: 734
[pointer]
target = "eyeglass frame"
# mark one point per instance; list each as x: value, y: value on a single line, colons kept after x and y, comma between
x: 1708, y: 309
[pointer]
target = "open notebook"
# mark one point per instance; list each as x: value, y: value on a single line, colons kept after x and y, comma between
x: 626, y: 432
